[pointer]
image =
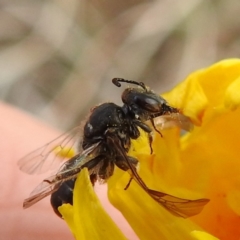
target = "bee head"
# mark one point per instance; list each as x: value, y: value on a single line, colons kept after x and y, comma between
x: 142, y: 102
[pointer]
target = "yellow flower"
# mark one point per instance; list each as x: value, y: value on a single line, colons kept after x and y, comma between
x: 202, y: 163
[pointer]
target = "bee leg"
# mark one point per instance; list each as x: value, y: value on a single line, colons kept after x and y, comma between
x: 148, y: 130
x: 128, y: 184
x: 106, y: 169
x: 153, y: 124
x: 93, y: 178
x: 121, y: 163
x: 100, y: 168
x: 150, y: 140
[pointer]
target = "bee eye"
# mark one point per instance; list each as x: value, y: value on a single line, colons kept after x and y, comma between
x: 149, y: 104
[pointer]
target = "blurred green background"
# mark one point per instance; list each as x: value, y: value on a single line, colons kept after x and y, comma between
x: 57, y: 58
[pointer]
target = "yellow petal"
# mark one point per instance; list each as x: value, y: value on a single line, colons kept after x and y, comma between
x: 215, y: 79
x: 147, y: 217
x: 189, y: 97
x: 64, y: 152
x: 210, y: 154
x: 232, y: 96
x: 233, y: 199
x: 86, y: 218
x: 67, y: 212
x: 206, y: 88
x: 200, y: 235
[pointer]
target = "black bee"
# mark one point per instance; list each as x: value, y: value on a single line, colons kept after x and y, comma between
x: 105, y: 143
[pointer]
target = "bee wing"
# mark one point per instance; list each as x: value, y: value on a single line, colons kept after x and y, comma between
x: 173, y: 120
x: 68, y: 170
x: 44, y: 189
x: 51, y: 155
x: 177, y: 206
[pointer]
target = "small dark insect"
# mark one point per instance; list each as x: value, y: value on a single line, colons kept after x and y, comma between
x: 105, y: 142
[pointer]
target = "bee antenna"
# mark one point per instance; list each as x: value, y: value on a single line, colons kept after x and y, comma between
x: 116, y: 81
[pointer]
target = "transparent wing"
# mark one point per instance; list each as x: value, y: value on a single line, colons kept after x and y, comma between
x: 173, y: 120
x: 44, y: 189
x: 52, y: 154
x: 68, y: 170
x: 177, y: 206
